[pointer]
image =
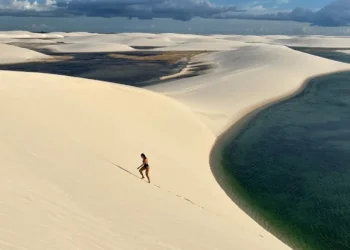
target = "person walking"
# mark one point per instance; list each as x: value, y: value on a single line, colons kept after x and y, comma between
x: 144, y: 167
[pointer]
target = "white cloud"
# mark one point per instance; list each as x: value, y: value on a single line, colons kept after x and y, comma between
x: 282, y: 1
x: 18, y: 5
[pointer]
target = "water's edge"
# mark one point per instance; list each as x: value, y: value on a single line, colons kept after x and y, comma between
x: 229, y: 185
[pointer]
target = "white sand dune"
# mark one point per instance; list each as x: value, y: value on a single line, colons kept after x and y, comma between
x: 297, y: 41
x: 128, y: 39
x: 182, y: 36
x: 170, y: 41
x: 7, y: 40
x: 26, y: 34
x: 314, y: 41
x: 35, y: 41
x: 242, y: 38
x: 216, y: 45
x: 108, y: 43
x: 147, y: 41
x: 245, y: 79
x: 136, y: 34
x: 167, y: 41
x: 12, y: 54
x: 186, y: 38
x: 71, y: 34
x: 88, y: 47
x: 69, y: 150
x: 91, y: 38
x: 344, y: 51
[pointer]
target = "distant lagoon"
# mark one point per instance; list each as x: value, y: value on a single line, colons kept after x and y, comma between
x: 100, y: 66
x: 130, y: 68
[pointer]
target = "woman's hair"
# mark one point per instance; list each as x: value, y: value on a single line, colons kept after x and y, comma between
x: 143, y: 155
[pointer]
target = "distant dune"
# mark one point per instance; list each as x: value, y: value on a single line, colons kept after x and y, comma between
x: 246, y: 78
x: 88, y: 47
x: 344, y: 51
x: 93, y: 42
x: 13, y: 54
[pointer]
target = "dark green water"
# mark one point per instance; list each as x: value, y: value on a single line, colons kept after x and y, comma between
x: 326, y: 53
x: 100, y: 66
x: 290, y: 166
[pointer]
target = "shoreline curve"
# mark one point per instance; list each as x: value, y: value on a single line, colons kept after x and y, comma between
x: 228, y: 135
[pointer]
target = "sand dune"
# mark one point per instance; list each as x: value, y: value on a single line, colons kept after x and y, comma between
x: 71, y: 34
x: 344, y: 51
x: 315, y: 41
x: 28, y: 41
x: 127, y: 39
x: 6, y: 40
x: 69, y: 150
x: 12, y: 54
x: 246, y: 78
x: 70, y: 147
x: 242, y: 38
x: 88, y: 47
x: 92, y: 38
x: 297, y: 41
x: 108, y: 43
x: 178, y: 41
x: 216, y: 45
x: 115, y: 42
x: 26, y: 34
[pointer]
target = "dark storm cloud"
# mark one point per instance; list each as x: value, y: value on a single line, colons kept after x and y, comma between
x: 144, y: 9
x: 334, y: 14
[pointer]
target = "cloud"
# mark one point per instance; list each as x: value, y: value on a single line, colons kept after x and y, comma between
x: 334, y: 14
x: 25, y: 5
x: 147, y: 9
x: 282, y: 1
x: 143, y: 9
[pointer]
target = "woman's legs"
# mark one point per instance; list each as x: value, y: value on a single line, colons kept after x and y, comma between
x: 141, y: 169
x: 147, y: 171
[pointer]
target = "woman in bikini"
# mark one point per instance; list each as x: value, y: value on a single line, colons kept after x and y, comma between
x: 144, y: 166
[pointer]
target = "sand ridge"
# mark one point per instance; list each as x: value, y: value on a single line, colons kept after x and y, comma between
x: 93, y: 42
x: 87, y: 47
x: 169, y: 39
x: 245, y: 78
x: 13, y: 54
x: 72, y: 164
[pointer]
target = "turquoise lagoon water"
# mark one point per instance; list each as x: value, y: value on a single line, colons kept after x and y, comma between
x: 289, y: 167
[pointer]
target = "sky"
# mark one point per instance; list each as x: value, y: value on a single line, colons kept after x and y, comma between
x: 280, y: 4
x: 305, y: 13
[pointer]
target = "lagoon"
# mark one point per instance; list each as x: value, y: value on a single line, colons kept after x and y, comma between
x: 290, y: 166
